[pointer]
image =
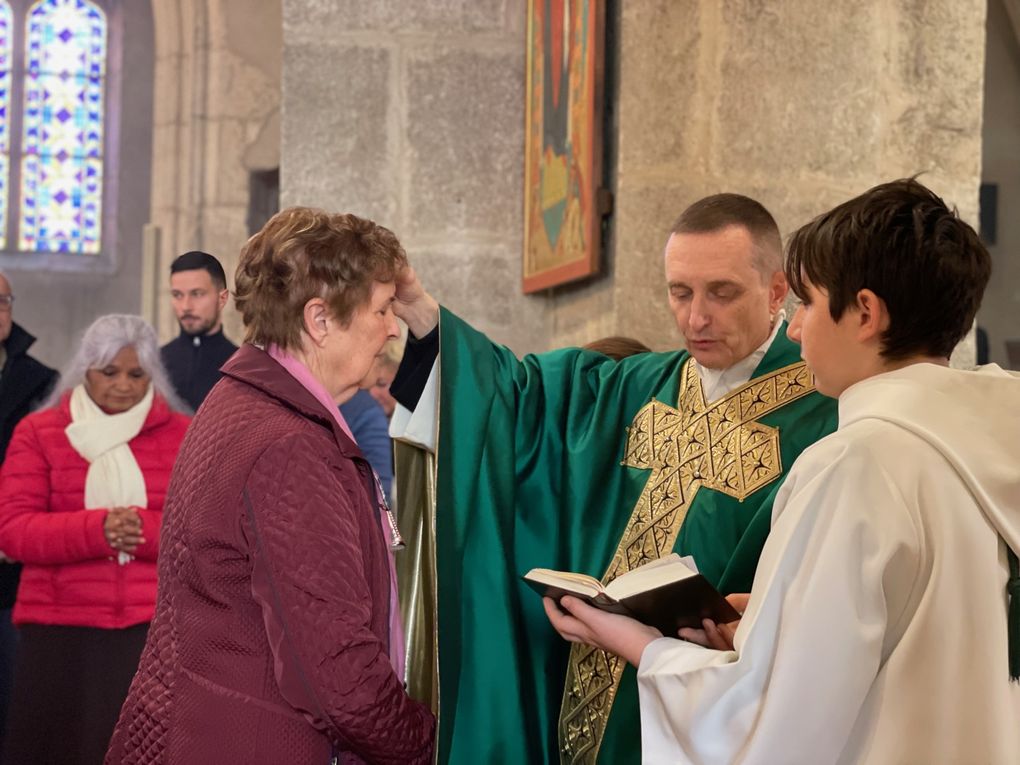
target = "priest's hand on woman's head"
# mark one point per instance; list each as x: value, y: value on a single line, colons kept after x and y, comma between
x: 717, y: 636
x: 417, y: 308
x: 578, y: 622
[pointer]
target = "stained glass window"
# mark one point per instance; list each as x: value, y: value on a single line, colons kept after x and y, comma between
x: 5, y: 115
x: 62, y: 146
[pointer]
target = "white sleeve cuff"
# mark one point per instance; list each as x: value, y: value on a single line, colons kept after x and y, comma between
x: 421, y: 426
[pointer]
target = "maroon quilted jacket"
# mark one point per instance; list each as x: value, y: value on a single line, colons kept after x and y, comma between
x: 269, y: 643
x: 71, y: 576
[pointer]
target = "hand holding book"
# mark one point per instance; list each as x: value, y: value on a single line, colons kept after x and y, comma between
x: 579, y: 622
x: 667, y: 594
x: 718, y: 636
x: 666, y: 597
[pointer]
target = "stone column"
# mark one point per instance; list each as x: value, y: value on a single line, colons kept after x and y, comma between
x: 217, y: 100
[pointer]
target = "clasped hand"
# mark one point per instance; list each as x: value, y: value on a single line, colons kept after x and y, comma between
x: 123, y: 529
x: 579, y: 622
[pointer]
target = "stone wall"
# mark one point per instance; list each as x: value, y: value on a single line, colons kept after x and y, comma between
x: 217, y: 109
x: 1000, y: 312
x: 798, y: 104
x: 412, y: 113
x: 409, y: 113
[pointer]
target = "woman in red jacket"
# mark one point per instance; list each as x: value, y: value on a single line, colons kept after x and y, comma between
x: 81, y: 499
x: 277, y: 635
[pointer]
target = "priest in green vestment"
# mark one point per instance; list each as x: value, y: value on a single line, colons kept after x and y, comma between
x: 571, y: 460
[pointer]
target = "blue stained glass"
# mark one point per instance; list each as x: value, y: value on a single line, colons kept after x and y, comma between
x: 5, y: 102
x: 62, y: 154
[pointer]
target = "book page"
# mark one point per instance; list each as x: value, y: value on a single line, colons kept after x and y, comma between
x: 567, y: 580
x: 670, y: 568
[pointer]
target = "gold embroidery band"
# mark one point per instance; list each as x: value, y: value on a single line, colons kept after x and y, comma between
x: 720, y: 447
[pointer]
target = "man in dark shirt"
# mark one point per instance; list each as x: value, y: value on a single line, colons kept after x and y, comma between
x: 24, y: 383
x: 198, y: 291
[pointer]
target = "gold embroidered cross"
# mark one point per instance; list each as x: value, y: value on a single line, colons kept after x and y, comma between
x: 694, y: 445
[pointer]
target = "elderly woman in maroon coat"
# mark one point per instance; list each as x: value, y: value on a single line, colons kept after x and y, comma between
x: 276, y: 637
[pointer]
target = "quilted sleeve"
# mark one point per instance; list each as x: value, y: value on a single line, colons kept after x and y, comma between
x: 309, y: 577
x: 30, y: 531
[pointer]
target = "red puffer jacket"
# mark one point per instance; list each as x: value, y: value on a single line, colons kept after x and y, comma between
x: 71, y: 576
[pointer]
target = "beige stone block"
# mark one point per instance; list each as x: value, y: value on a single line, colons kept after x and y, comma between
x: 642, y: 312
x: 335, y: 147
x: 190, y: 137
x: 185, y: 232
x: 800, y: 89
x: 165, y: 165
x: 640, y: 299
x: 224, y: 232
x: 263, y: 145
x: 793, y: 205
x: 644, y: 217
x: 945, y: 85
x: 251, y: 31
x: 238, y: 89
x: 480, y: 282
x: 166, y: 25
x: 225, y: 175
x: 580, y: 313
x: 166, y: 95
x: 464, y: 140
x: 325, y: 19
x: 661, y: 117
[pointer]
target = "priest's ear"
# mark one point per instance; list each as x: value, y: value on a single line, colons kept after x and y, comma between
x: 779, y: 288
x: 872, y: 317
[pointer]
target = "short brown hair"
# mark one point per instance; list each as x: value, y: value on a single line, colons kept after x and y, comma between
x: 903, y: 243
x: 617, y: 347
x: 720, y: 211
x: 302, y: 253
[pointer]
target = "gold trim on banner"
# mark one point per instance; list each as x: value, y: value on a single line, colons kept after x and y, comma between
x: 718, y: 446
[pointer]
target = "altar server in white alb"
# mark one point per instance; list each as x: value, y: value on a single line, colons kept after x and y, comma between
x: 883, y: 625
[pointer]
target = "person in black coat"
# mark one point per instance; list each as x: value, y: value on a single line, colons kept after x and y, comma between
x: 198, y: 293
x: 24, y: 383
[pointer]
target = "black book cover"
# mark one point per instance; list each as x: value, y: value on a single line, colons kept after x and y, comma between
x: 669, y: 607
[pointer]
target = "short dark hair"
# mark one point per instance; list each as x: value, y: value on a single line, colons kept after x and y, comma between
x: 720, y: 211
x: 195, y: 260
x: 902, y: 242
x: 302, y: 253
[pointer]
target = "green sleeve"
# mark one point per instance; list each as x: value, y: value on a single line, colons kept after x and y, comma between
x: 529, y: 454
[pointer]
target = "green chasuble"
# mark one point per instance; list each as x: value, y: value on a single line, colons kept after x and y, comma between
x: 570, y: 460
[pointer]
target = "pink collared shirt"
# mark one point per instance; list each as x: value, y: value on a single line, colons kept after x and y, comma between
x: 303, y: 375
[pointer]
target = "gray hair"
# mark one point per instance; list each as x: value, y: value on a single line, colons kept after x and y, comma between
x: 103, y: 340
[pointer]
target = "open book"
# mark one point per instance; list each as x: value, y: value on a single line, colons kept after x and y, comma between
x: 666, y: 594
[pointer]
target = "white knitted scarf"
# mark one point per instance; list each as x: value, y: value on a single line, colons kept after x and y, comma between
x: 114, y: 478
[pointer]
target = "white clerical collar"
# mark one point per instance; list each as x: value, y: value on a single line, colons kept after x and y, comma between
x: 716, y: 383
